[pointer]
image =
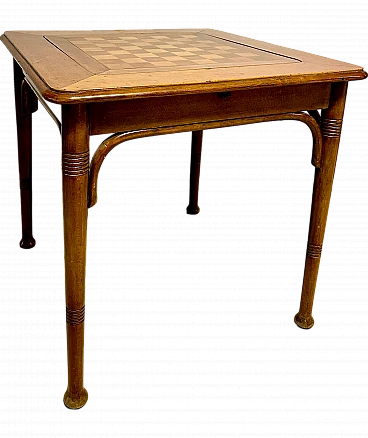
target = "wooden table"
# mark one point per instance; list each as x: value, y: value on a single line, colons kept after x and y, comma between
x: 152, y: 82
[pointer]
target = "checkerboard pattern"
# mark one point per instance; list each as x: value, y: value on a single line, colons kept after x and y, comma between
x: 165, y: 51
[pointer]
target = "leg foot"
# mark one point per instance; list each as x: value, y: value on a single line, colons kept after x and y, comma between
x: 193, y: 209
x: 75, y: 401
x: 27, y: 241
x: 304, y: 321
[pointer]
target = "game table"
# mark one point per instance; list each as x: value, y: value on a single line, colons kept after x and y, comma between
x: 140, y: 83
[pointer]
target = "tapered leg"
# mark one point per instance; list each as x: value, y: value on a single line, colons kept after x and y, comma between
x: 25, y: 105
x: 75, y: 165
x: 195, y: 167
x: 331, y: 129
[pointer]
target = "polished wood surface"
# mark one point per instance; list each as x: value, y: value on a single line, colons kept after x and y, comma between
x: 153, y: 112
x: 331, y: 123
x: 114, y: 140
x: 25, y: 105
x: 142, y: 83
x: 113, y: 65
x: 195, y: 168
x: 75, y: 166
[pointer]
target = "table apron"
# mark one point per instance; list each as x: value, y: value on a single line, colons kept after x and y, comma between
x: 153, y: 112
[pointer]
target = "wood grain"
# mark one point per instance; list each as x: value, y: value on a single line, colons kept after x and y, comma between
x: 110, y: 143
x: 87, y: 62
x: 323, y: 179
x: 70, y: 73
x: 109, y: 117
x: 53, y: 67
x: 75, y: 149
x: 153, y: 82
x: 165, y: 51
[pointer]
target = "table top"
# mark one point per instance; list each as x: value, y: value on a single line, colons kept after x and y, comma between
x: 84, y: 66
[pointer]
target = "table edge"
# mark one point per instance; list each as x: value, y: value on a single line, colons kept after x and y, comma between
x: 85, y: 96
x: 65, y: 97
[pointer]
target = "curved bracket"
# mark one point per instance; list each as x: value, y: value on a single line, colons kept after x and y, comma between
x: 107, y: 145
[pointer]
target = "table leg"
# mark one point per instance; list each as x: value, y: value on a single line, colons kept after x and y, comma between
x: 25, y: 105
x: 195, y: 167
x: 75, y: 166
x: 331, y: 129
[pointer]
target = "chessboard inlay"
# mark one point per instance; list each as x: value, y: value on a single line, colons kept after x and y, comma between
x: 170, y: 51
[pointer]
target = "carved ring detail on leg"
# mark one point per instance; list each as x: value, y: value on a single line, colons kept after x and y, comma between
x: 75, y: 164
x: 331, y: 127
x: 75, y: 317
